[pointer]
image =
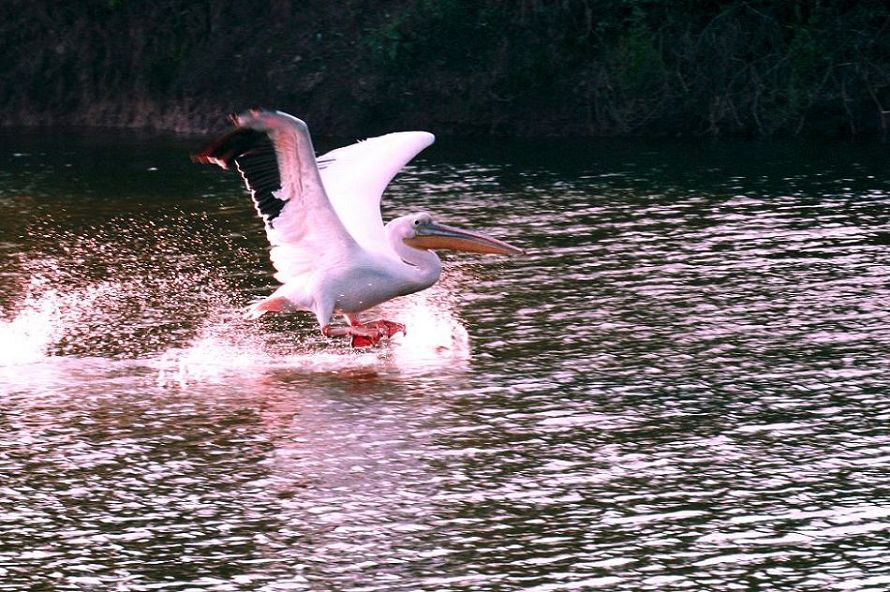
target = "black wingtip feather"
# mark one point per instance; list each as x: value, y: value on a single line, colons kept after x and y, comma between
x: 230, y: 147
x: 254, y: 155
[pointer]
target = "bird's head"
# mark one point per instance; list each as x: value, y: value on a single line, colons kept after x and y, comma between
x: 419, y: 231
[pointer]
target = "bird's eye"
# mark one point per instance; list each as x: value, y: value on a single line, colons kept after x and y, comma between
x: 417, y: 222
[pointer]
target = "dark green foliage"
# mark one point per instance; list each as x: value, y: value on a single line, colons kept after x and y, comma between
x: 514, y: 67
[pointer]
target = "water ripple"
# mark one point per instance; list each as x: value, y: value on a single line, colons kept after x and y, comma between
x: 682, y: 386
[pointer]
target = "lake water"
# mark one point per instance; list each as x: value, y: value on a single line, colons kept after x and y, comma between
x: 684, y: 386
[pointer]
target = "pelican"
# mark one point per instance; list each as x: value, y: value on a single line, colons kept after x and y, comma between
x: 329, y: 246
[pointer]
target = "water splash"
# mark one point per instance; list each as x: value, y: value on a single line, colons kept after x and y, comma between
x: 209, y: 342
x: 434, y: 332
x: 44, y: 318
x: 24, y: 338
x: 208, y: 359
x: 227, y: 349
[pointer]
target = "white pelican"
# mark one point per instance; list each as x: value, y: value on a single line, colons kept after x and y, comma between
x: 330, y: 248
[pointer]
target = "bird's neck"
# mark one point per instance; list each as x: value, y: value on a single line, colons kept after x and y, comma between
x: 425, y: 266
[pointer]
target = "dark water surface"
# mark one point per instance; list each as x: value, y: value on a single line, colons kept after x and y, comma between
x: 684, y: 386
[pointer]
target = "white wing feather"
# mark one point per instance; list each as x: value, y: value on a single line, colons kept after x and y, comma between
x: 318, y: 212
x: 306, y: 235
x: 355, y: 177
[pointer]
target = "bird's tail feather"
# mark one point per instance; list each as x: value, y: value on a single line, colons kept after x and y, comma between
x: 261, y: 307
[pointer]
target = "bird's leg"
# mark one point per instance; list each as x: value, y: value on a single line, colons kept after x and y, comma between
x: 364, y: 334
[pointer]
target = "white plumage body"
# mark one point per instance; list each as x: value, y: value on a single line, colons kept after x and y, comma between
x: 329, y: 247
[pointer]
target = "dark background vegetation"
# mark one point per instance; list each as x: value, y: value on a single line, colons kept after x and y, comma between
x: 464, y: 67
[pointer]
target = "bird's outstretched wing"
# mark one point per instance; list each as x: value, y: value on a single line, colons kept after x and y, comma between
x: 273, y: 152
x: 355, y: 177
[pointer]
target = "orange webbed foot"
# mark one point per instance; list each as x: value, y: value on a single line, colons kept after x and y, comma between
x: 365, y: 334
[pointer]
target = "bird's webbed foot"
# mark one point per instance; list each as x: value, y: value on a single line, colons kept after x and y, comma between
x: 365, y: 334
x: 382, y: 328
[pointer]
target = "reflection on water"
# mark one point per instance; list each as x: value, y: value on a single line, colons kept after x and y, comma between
x: 683, y: 386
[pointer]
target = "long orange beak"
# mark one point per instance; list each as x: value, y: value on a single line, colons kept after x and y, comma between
x: 438, y: 236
